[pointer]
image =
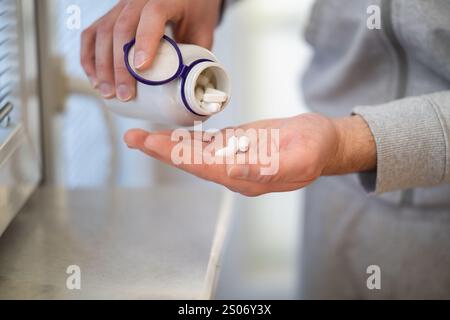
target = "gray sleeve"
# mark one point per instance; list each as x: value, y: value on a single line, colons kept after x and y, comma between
x: 412, y: 138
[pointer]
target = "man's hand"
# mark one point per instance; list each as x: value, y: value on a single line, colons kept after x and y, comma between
x: 102, y: 43
x: 308, y: 146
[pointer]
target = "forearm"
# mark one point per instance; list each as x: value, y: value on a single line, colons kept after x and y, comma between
x: 356, y: 149
x: 405, y: 143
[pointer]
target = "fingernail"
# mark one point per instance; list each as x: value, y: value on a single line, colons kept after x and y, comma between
x: 140, y: 58
x: 106, y: 90
x: 124, y: 92
x: 93, y: 81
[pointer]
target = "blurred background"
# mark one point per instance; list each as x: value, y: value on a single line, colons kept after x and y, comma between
x: 260, y: 43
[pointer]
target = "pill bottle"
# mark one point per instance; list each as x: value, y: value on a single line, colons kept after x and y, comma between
x: 166, y: 91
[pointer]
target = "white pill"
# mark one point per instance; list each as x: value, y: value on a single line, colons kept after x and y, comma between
x: 208, y: 73
x: 199, y: 92
x: 230, y: 149
x: 233, y: 143
x: 212, y: 107
x: 225, y: 152
x: 202, y: 80
x: 212, y: 131
x: 213, y: 95
x: 243, y: 144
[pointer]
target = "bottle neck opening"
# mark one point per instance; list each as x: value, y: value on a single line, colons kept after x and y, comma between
x: 218, y: 79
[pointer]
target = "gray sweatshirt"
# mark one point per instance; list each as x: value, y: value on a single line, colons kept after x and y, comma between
x: 397, y: 78
x: 398, y: 216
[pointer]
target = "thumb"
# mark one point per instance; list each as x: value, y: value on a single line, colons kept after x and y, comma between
x: 202, y: 36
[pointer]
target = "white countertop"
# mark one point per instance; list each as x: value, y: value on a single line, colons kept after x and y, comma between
x: 162, y: 242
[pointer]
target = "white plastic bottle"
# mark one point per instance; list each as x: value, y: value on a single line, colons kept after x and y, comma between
x: 166, y: 91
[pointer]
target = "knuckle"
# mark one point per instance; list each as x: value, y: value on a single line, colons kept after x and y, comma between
x: 85, y: 34
x: 122, y: 76
x: 119, y: 68
x: 85, y: 62
x: 104, y: 29
x: 154, y: 7
x: 88, y: 32
x: 141, y: 39
x: 102, y: 68
x: 311, y: 170
x: 123, y: 25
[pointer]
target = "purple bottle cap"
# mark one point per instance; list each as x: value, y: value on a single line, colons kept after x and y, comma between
x: 179, y: 69
x: 182, y: 70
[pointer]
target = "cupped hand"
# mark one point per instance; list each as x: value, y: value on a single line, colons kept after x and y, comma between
x: 299, y: 150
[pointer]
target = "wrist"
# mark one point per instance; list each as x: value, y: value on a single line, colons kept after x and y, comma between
x: 355, y: 150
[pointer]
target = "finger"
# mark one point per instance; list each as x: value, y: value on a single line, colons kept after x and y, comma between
x: 249, y: 172
x: 150, y: 30
x: 87, y: 54
x: 199, y: 161
x: 247, y: 165
x: 201, y: 35
x: 124, y: 31
x: 104, y: 63
x: 162, y: 146
x: 214, y: 173
x: 258, y: 159
x: 135, y: 138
